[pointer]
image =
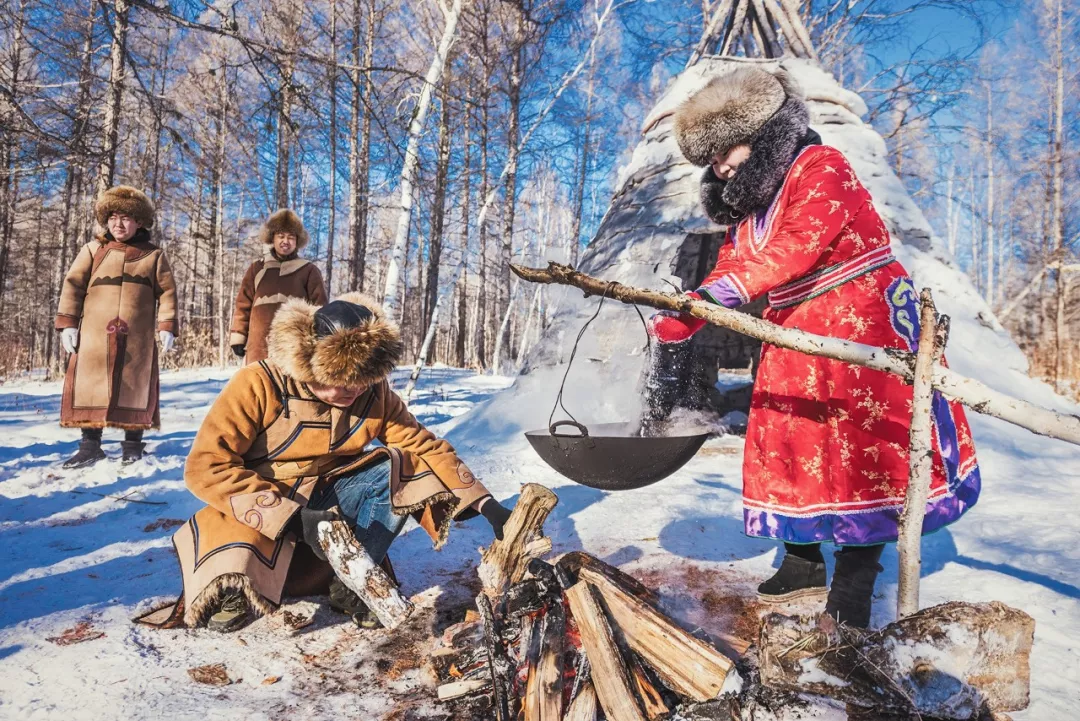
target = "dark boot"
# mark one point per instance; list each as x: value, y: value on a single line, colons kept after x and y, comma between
x: 344, y: 599
x: 132, y: 447
x: 798, y: 577
x: 233, y: 613
x: 89, y: 451
x: 851, y: 595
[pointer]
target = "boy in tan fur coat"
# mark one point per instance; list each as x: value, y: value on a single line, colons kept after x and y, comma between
x: 287, y: 444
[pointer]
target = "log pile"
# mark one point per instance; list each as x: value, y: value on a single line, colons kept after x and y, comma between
x: 579, y: 640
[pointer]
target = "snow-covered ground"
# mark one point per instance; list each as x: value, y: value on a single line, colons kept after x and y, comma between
x: 93, y: 547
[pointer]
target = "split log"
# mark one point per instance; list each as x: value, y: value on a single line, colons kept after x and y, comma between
x: 457, y: 689
x: 932, y: 338
x: 651, y: 700
x: 498, y: 664
x: 688, y: 665
x: 583, y: 707
x: 529, y: 641
x: 574, y: 561
x: 611, y: 678
x: 977, y: 396
x: 355, y: 568
x: 550, y: 667
x: 504, y: 562
x: 944, y: 662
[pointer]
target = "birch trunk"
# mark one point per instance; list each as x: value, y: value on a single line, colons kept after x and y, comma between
x: 989, y: 147
x: 9, y: 184
x: 438, y: 208
x: 331, y: 233
x: 429, y: 335
x: 461, y: 348
x: 391, y: 290
x: 517, y: 49
x: 1057, y: 223
x: 114, y: 95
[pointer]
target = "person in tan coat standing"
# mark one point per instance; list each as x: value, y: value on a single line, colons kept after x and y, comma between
x: 311, y: 434
x: 269, y: 282
x: 107, y: 321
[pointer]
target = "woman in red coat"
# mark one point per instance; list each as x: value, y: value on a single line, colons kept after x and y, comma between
x: 827, y: 443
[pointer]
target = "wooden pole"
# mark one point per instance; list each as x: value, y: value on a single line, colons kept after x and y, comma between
x: 932, y: 338
x: 977, y: 396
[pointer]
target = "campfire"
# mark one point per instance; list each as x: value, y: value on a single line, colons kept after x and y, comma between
x: 576, y: 639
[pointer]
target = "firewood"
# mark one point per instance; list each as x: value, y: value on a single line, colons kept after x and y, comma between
x: 945, y: 661
x: 550, y: 668
x: 498, y: 663
x: 530, y: 641
x: 583, y: 707
x: 688, y: 665
x: 651, y: 700
x: 355, y: 568
x: 611, y: 678
x: 457, y: 689
x: 574, y: 561
x: 504, y: 562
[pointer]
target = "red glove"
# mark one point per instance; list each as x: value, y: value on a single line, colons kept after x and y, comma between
x: 670, y: 327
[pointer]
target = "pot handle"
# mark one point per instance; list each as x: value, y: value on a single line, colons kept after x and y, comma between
x: 584, y: 431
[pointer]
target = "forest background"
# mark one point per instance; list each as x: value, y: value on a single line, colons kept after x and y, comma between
x: 225, y: 111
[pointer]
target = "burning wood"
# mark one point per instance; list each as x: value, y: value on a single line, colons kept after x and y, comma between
x: 581, y: 640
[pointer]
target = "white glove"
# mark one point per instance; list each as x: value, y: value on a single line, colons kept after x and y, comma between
x: 69, y: 338
x: 168, y: 340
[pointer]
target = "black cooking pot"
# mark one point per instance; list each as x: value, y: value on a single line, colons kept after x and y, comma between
x: 613, y: 456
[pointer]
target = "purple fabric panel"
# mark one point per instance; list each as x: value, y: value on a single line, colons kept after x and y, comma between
x: 861, y: 528
x: 722, y: 292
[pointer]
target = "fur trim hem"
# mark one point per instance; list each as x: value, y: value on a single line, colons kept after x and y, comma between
x: 110, y: 424
x: 127, y: 200
x: 360, y: 356
x: 206, y: 605
x: 729, y: 111
x: 443, y: 531
x: 284, y: 221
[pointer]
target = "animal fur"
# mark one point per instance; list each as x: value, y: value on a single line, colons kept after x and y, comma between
x: 729, y: 111
x: 284, y: 221
x: 125, y: 200
x: 209, y: 601
x: 360, y: 356
x: 760, y: 176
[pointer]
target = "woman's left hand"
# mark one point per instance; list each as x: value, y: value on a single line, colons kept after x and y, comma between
x: 168, y: 340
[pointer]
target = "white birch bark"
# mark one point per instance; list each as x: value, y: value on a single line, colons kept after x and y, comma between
x: 391, y: 290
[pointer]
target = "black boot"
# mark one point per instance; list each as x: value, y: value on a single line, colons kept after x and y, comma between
x: 801, y: 575
x: 344, y: 599
x: 132, y: 447
x: 851, y: 595
x: 89, y: 451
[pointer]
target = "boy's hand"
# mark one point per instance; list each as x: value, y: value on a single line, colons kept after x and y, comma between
x: 496, y: 514
x: 69, y: 338
x: 305, y: 524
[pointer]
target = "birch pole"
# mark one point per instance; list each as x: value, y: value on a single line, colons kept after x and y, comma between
x: 972, y: 393
x: 920, y: 455
x: 408, y: 171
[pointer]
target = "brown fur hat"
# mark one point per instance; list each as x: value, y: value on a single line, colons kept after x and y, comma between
x: 729, y: 111
x: 127, y: 200
x: 363, y: 354
x: 284, y: 221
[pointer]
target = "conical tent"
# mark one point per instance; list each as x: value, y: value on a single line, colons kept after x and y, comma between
x: 653, y: 216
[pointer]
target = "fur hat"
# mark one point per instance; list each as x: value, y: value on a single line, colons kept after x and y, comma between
x: 284, y: 221
x: 126, y: 200
x: 729, y: 111
x: 336, y: 345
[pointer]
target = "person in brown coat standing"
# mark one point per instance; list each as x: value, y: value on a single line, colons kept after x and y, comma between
x: 269, y: 282
x: 107, y: 321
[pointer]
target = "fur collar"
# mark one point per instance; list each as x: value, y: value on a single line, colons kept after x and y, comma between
x: 758, y: 179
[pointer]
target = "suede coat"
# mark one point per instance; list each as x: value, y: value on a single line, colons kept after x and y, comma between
x: 266, y: 446
x: 110, y: 294
x: 267, y: 284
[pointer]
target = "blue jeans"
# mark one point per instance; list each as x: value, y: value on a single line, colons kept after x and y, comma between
x: 364, y: 500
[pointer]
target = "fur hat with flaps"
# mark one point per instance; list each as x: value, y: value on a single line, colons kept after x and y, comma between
x: 347, y: 342
x: 729, y: 111
x: 127, y: 201
x: 284, y: 221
